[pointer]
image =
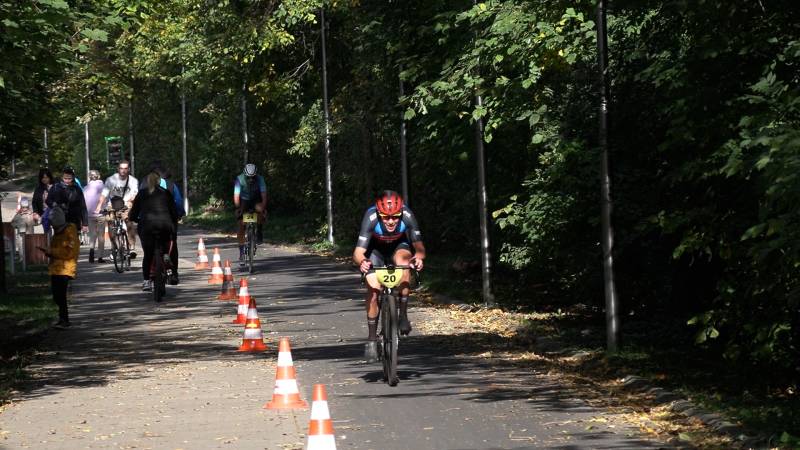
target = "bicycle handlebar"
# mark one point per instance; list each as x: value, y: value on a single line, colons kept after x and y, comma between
x: 399, y: 266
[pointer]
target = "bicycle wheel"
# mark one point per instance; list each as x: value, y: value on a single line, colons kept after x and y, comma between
x: 251, y: 246
x: 391, y: 339
x: 126, y: 251
x: 158, y: 275
x: 117, y: 253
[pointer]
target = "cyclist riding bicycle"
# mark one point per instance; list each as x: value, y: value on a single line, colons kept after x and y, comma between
x: 154, y: 210
x: 120, y: 190
x: 389, y: 235
x: 249, y: 194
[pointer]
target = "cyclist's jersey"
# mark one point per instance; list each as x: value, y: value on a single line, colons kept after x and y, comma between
x: 373, y: 232
x: 249, y: 189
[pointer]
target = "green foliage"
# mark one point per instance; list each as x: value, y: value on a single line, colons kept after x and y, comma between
x: 704, y: 137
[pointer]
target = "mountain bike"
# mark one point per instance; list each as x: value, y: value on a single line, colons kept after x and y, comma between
x: 250, y: 220
x: 120, y: 248
x: 160, y: 268
x: 389, y: 278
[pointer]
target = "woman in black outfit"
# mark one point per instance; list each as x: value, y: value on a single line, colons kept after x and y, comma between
x: 40, y: 193
x: 154, y: 210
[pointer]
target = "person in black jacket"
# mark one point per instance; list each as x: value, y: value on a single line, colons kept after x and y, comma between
x: 154, y: 211
x: 69, y: 197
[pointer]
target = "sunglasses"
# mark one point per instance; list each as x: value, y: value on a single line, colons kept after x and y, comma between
x: 387, y: 217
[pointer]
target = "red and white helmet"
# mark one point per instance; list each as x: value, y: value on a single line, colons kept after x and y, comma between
x: 390, y: 203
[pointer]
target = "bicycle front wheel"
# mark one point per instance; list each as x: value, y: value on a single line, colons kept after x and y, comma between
x: 391, y: 338
x: 251, y: 246
x: 117, y: 253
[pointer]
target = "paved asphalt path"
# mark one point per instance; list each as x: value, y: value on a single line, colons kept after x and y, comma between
x: 131, y: 374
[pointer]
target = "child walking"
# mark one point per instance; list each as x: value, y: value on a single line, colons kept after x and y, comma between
x: 63, y: 254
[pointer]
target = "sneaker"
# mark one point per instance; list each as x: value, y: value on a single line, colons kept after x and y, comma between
x: 132, y: 255
x: 404, y: 326
x: 371, y: 351
x: 173, y: 279
x: 241, y: 261
x: 62, y: 325
x: 147, y: 285
x: 91, y: 255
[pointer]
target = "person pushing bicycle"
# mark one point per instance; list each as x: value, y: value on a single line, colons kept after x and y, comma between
x: 249, y: 194
x: 389, y: 234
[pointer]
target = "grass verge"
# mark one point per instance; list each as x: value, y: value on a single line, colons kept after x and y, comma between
x: 28, y: 306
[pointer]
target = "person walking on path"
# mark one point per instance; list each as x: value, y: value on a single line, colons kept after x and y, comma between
x: 40, y: 196
x: 63, y: 254
x: 69, y: 197
x: 91, y: 195
x: 123, y: 186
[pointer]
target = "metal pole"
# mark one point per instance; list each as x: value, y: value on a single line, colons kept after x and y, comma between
x: 607, y: 239
x: 46, y: 157
x: 86, y: 139
x: 244, y: 122
x: 183, y: 148
x: 328, y: 181
x: 22, y: 255
x: 14, y: 164
x: 486, y: 257
x: 130, y: 135
x: 403, y: 154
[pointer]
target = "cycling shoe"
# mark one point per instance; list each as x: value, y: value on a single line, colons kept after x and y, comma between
x: 404, y: 326
x: 371, y: 351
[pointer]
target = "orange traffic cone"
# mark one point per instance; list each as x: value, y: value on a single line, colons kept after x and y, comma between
x: 202, y: 258
x: 320, y: 427
x: 217, y: 277
x: 228, y: 289
x: 244, y: 302
x: 253, y: 339
x: 285, y: 395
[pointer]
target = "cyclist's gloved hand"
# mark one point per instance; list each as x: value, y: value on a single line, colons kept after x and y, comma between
x: 365, y: 266
x: 417, y: 263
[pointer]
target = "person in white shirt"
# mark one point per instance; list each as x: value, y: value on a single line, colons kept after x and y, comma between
x: 125, y: 186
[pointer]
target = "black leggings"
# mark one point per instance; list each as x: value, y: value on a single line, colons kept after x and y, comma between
x: 149, y: 246
x: 59, y: 284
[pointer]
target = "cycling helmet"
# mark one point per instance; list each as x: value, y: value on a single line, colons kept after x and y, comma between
x: 250, y: 170
x: 389, y: 203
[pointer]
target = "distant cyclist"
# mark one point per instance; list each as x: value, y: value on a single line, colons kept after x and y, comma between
x: 121, y: 188
x: 154, y: 210
x: 250, y: 194
x: 389, y: 234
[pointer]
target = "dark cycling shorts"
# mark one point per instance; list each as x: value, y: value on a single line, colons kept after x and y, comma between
x: 381, y: 253
x: 248, y: 205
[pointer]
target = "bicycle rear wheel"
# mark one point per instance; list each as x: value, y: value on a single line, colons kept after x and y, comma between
x: 391, y: 338
x: 159, y: 280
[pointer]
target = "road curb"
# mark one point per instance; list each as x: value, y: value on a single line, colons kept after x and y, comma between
x: 679, y: 405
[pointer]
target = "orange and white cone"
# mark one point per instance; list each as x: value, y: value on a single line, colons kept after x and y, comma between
x: 253, y: 339
x: 216, y: 277
x: 286, y: 395
x: 320, y: 427
x: 244, y: 302
x: 228, y: 289
x: 202, y: 258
